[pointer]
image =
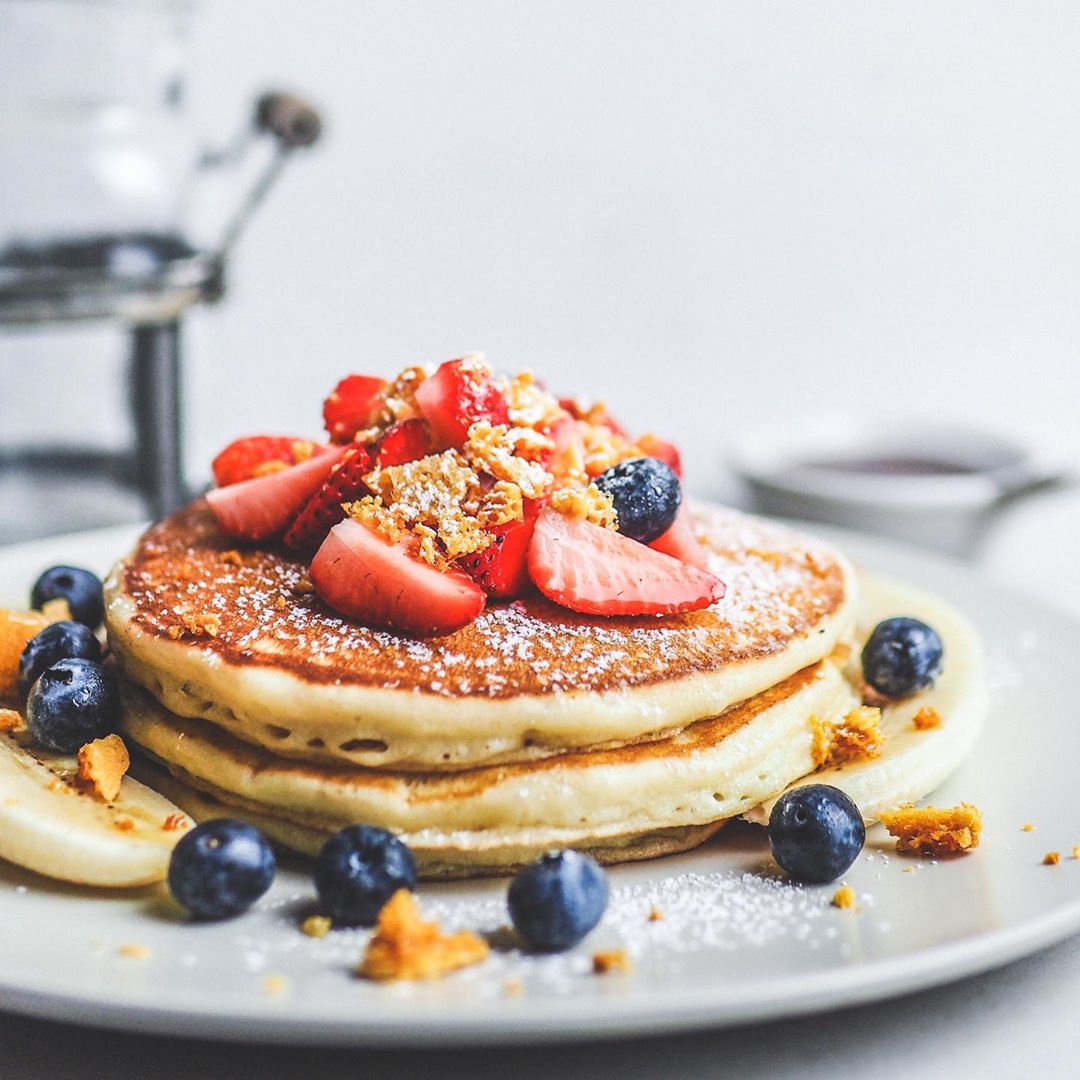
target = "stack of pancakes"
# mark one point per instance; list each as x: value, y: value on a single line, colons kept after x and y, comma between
x: 529, y: 729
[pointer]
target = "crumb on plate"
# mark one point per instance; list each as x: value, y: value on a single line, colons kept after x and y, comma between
x: 926, y: 718
x: 844, y: 897
x: 1051, y: 858
x: 403, y: 946
x: 317, y: 926
x: 606, y: 961
x: 932, y: 830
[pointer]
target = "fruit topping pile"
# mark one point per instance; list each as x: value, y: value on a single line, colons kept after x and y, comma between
x: 449, y: 486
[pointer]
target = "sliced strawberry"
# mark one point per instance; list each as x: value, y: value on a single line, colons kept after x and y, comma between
x: 680, y: 542
x: 261, y: 508
x: 407, y: 440
x: 502, y: 568
x: 350, y: 406
x: 594, y: 570
x: 569, y: 452
x: 668, y: 453
x: 323, y: 510
x: 456, y: 397
x: 362, y: 576
x: 255, y: 455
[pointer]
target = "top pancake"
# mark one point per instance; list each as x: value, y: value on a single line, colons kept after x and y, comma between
x: 235, y: 636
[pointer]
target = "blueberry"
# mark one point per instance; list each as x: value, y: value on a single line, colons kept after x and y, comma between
x: 221, y: 868
x: 902, y: 655
x: 73, y: 702
x: 816, y: 832
x: 358, y: 869
x: 81, y: 589
x: 646, y: 494
x: 557, y: 900
x: 59, y: 641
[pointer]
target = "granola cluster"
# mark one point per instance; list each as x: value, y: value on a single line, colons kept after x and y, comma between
x: 448, y: 502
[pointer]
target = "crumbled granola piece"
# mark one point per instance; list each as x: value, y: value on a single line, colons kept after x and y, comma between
x: 856, y: 736
x: 604, y: 448
x: 10, y: 720
x: 844, y: 897
x: 1052, y: 858
x: 317, y: 926
x: 1027, y: 827
x: 16, y: 629
x: 610, y: 960
x: 510, y: 454
x: 403, y: 946
x: 589, y: 503
x: 133, y: 952
x: 655, y: 914
x: 501, y: 505
x: 399, y: 398
x: 102, y: 765
x: 926, y: 718
x: 59, y: 786
x: 176, y: 822
x: 528, y: 404
x: 930, y: 830
x: 124, y: 824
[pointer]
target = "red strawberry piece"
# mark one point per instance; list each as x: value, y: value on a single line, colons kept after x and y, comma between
x: 255, y: 455
x: 668, y: 453
x: 363, y: 576
x: 351, y: 406
x: 407, y: 440
x: 680, y: 542
x: 323, y: 510
x: 456, y: 397
x: 594, y: 570
x: 569, y: 447
x: 261, y: 508
x: 502, y: 568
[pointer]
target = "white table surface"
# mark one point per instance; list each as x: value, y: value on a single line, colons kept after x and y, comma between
x: 1020, y: 1021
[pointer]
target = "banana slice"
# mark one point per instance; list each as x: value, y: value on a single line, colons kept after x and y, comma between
x: 912, y: 762
x: 49, y: 825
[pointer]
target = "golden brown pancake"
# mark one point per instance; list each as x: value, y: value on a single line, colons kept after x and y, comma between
x: 234, y: 635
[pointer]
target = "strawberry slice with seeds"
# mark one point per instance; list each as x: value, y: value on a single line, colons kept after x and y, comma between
x: 680, y: 541
x: 363, y: 576
x: 502, y: 568
x: 323, y: 510
x: 261, y: 508
x: 351, y: 406
x: 405, y: 441
x: 594, y: 570
x: 456, y: 397
x: 256, y: 455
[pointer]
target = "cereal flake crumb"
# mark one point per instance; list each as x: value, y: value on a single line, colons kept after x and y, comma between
x: 403, y: 946
x: 1027, y: 827
x: 1051, y: 858
x: 589, y: 503
x: 931, y: 830
x: 176, y: 822
x: 844, y: 897
x: 317, y: 926
x: 855, y: 737
x: 926, y: 718
x: 10, y: 720
x: 655, y: 914
x: 605, y: 962
x: 102, y: 765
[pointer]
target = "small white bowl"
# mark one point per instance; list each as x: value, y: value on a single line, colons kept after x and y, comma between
x: 935, y: 484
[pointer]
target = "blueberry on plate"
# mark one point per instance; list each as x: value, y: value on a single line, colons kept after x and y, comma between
x: 901, y: 656
x: 73, y: 702
x: 358, y: 869
x: 221, y: 868
x: 81, y: 589
x: 816, y: 833
x: 58, y: 641
x: 557, y: 900
x: 646, y: 494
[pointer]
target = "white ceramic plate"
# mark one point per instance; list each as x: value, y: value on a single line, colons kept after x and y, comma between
x: 736, y: 943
